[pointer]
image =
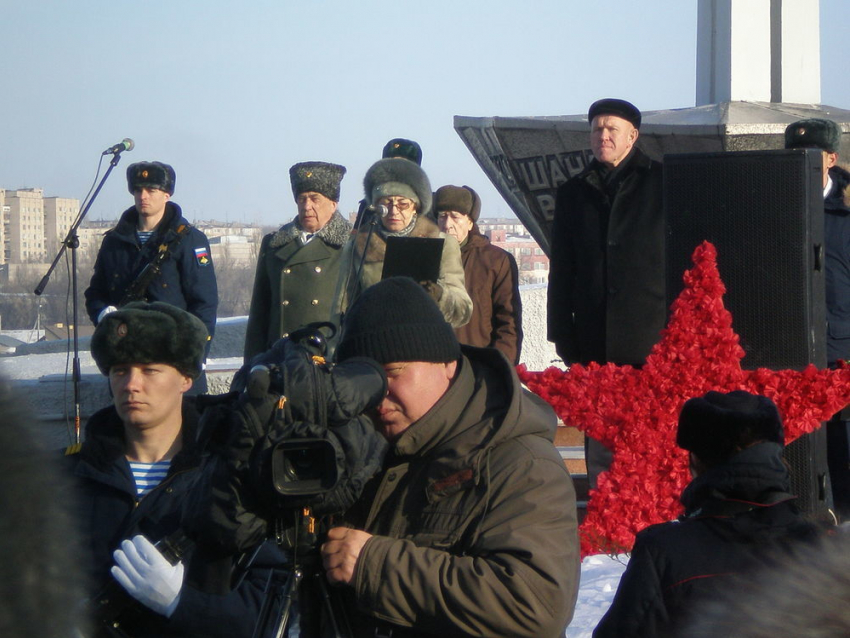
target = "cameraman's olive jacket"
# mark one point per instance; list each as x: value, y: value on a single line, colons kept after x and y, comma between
x: 295, y: 283
x: 474, y: 517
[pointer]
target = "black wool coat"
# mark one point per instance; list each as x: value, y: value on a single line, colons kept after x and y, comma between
x: 607, y: 281
x: 837, y: 239
x: 737, y: 515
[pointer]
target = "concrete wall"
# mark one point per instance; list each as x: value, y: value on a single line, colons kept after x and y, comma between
x: 37, y: 369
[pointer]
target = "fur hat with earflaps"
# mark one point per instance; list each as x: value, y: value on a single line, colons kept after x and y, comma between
x: 150, y: 333
x: 393, y: 178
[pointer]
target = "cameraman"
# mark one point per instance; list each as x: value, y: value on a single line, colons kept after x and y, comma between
x: 139, y: 465
x: 470, y: 527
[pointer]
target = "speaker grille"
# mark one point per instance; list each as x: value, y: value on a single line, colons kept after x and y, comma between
x: 755, y: 208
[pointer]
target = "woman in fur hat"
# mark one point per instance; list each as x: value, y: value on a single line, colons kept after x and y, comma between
x: 403, y: 188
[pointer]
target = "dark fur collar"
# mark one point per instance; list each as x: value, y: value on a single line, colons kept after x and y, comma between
x: 334, y: 233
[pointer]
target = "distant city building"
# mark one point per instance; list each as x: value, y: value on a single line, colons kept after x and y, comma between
x: 23, y: 222
x: 59, y: 214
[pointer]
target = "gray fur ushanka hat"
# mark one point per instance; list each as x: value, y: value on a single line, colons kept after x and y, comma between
x: 392, y: 177
x: 150, y: 333
x: 318, y: 177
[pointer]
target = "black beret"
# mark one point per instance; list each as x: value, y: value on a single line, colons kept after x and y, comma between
x: 813, y: 133
x: 317, y: 177
x: 460, y: 199
x: 151, y: 175
x: 613, y: 106
x: 400, y: 147
x: 712, y: 425
x: 155, y: 332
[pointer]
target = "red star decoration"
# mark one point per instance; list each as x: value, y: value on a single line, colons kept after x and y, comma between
x: 635, y: 412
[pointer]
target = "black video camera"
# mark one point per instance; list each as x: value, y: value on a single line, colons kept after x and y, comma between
x: 293, y: 438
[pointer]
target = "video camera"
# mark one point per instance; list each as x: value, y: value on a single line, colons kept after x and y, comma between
x: 294, y: 437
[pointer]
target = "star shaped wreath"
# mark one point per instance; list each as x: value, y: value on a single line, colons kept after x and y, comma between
x: 635, y: 412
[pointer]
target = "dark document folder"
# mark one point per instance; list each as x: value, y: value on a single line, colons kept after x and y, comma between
x: 414, y: 257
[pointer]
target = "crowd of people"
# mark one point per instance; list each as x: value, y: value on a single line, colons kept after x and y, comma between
x: 457, y: 516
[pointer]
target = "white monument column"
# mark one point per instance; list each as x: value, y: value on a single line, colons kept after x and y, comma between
x: 758, y: 50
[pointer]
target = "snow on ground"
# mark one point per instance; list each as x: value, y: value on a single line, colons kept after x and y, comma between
x: 600, y: 576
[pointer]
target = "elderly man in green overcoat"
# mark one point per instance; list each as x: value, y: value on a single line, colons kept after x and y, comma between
x: 298, y: 265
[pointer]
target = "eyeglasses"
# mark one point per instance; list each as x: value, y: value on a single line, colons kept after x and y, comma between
x: 401, y: 205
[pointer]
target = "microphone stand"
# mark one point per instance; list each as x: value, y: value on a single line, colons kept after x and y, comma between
x: 72, y: 241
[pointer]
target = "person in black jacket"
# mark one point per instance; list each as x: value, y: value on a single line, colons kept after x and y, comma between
x: 738, y: 514
x: 826, y: 135
x: 606, y: 297
x: 187, y: 277
x: 139, y: 466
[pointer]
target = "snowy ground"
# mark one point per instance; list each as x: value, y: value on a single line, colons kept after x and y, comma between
x: 599, y: 578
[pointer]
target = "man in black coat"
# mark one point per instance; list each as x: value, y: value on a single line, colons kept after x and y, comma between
x: 606, y: 281
x: 826, y: 136
x: 738, y: 514
x: 186, y: 278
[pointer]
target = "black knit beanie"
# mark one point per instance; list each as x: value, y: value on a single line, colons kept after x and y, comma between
x: 150, y: 333
x: 712, y: 425
x: 397, y: 320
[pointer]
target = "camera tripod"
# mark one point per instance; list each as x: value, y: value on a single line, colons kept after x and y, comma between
x: 319, y: 612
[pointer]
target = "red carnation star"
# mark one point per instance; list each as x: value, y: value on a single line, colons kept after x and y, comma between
x: 635, y: 412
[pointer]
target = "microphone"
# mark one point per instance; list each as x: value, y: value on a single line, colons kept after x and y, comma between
x: 378, y: 209
x: 125, y: 145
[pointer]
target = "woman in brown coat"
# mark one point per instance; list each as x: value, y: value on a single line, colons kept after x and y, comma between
x: 490, y: 275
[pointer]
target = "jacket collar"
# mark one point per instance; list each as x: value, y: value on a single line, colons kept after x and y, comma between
x: 334, y: 233
x: 129, y: 221
x: 104, y: 443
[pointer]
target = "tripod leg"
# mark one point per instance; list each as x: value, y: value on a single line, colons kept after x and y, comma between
x: 289, y: 592
x: 335, y: 614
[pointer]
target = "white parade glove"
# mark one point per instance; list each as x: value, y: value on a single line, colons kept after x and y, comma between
x: 105, y: 312
x: 147, y: 575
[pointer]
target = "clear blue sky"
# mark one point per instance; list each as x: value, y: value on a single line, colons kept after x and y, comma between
x: 233, y: 93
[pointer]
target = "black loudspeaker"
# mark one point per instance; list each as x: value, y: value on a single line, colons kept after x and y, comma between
x: 763, y: 211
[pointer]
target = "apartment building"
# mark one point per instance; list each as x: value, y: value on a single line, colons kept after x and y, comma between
x: 23, y: 239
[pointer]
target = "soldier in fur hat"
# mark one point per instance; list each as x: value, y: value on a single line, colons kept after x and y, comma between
x: 825, y: 135
x: 299, y: 265
x: 403, y: 189
x: 139, y: 466
x: 151, y: 233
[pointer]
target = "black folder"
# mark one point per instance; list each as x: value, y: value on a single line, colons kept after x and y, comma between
x: 415, y: 257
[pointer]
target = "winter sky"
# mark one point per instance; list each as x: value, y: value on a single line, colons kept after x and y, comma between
x: 233, y: 93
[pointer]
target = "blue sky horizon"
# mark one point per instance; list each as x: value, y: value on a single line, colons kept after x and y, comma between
x: 233, y: 95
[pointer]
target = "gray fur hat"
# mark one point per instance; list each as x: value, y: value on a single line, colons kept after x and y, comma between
x: 150, y: 333
x: 154, y: 175
x: 813, y: 133
x: 711, y: 426
x: 318, y: 177
x: 390, y: 177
